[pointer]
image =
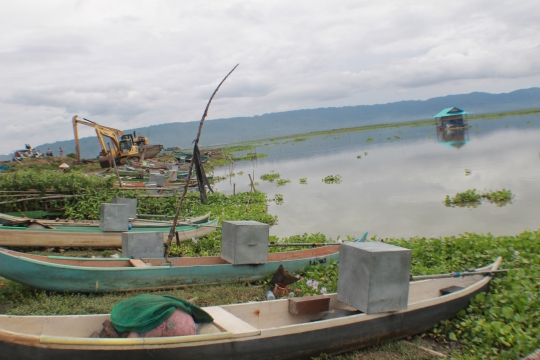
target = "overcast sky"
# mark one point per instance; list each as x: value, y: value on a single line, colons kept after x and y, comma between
x: 129, y: 64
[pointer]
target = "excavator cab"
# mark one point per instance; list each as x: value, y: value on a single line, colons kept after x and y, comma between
x: 126, y: 144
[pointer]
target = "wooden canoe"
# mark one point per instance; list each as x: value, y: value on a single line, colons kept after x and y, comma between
x: 93, y: 237
x: 137, y: 223
x: 58, y: 273
x: 254, y: 330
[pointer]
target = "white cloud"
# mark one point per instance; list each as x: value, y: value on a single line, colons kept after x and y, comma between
x: 131, y: 64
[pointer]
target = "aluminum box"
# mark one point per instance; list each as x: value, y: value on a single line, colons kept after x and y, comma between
x: 114, y: 217
x: 131, y: 203
x: 159, y: 179
x: 373, y: 277
x: 142, y: 245
x: 245, y: 242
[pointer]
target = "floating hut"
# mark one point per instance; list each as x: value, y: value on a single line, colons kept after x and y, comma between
x: 451, y: 118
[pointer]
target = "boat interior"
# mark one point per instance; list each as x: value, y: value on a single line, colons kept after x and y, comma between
x: 247, y: 319
x: 173, y: 262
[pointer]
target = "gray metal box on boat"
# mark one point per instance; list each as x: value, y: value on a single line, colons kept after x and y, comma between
x: 113, y: 217
x: 159, y: 179
x: 172, y: 166
x: 245, y: 242
x: 142, y: 245
x: 131, y: 204
x: 373, y: 277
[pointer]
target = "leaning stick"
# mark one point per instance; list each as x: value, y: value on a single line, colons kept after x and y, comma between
x: 177, y: 214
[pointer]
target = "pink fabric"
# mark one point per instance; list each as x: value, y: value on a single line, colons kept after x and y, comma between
x: 179, y: 324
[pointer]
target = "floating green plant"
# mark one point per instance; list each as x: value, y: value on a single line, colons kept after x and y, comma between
x: 467, y: 172
x: 358, y: 156
x: 370, y: 139
x: 270, y: 177
x: 396, y: 137
x: 240, y: 173
x: 332, y: 179
x: 282, y: 182
x: 278, y: 199
x: 303, y: 181
x: 498, y: 195
x: 469, y: 197
x: 365, y: 153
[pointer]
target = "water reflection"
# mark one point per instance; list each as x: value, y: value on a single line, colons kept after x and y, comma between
x: 453, y: 137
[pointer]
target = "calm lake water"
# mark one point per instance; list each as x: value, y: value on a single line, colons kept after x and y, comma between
x: 398, y: 188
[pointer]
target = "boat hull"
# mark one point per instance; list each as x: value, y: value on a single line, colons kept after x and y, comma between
x: 102, y: 275
x: 70, y: 236
x: 305, y: 345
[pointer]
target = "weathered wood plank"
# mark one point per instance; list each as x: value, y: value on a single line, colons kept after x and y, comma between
x: 309, y: 305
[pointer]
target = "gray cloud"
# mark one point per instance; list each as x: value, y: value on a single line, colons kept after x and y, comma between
x: 129, y: 64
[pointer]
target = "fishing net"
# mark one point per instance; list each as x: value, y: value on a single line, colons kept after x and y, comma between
x: 145, y: 312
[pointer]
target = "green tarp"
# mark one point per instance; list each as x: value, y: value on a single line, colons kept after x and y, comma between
x: 145, y: 312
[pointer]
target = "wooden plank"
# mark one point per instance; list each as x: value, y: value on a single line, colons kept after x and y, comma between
x: 228, y: 322
x: 309, y: 305
x: 137, y: 263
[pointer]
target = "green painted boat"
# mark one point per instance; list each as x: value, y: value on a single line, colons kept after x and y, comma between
x: 90, y: 236
x: 59, y: 273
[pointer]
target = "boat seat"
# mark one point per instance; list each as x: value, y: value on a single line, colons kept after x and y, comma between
x: 230, y: 323
x: 137, y: 263
x: 450, y: 289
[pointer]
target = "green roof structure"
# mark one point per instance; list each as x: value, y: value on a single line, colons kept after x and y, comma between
x: 453, y: 111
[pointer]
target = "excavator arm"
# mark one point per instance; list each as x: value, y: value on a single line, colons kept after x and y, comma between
x: 101, y: 132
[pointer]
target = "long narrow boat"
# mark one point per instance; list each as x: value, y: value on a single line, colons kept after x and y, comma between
x: 137, y: 223
x: 93, y: 237
x: 59, y: 273
x: 254, y: 330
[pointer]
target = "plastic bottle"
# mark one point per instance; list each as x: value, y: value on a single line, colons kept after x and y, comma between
x: 270, y: 295
x: 130, y: 226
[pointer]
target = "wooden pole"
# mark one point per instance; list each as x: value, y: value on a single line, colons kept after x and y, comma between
x: 177, y: 214
x: 457, y: 274
x: 234, y: 189
x: 251, y: 181
x: 115, y: 168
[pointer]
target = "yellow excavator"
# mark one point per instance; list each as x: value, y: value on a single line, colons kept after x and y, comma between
x: 123, y: 147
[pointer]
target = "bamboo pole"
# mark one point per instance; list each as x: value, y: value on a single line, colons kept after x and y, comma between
x: 457, y: 274
x: 302, y: 244
x: 190, y: 171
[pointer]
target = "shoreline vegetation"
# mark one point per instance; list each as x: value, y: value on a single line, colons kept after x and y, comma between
x: 504, y: 323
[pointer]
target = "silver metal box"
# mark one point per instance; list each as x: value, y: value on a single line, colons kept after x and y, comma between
x: 142, y: 245
x: 131, y: 204
x: 373, y: 276
x: 159, y: 179
x: 245, y: 242
x: 173, y: 175
x: 113, y: 217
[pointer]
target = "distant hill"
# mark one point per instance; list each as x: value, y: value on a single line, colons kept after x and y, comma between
x: 225, y: 131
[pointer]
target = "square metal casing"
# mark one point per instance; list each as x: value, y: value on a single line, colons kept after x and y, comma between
x: 131, y: 203
x: 159, y: 179
x: 113, y: 217
x: 373, y: 276
x: 142, y: 245
x: 245, y: 242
